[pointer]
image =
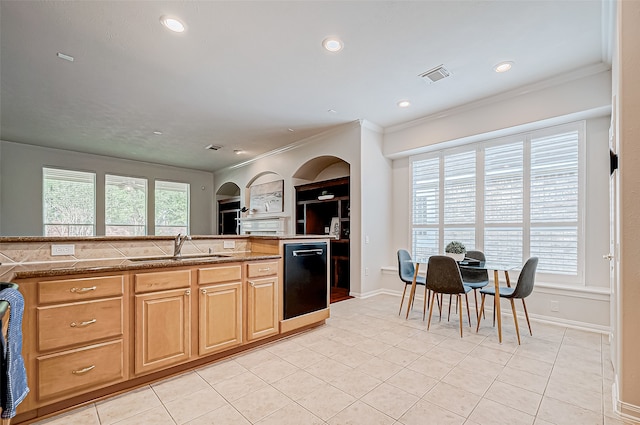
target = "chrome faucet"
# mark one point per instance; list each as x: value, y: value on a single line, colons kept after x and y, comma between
x: 177, y: 244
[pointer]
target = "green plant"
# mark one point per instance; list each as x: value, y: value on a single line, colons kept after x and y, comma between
x: 455, y: 247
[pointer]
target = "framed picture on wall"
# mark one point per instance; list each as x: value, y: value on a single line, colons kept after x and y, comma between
x: 266, y: 197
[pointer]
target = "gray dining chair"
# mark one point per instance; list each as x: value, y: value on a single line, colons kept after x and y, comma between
x: 475, y: 279
x: 406, y: 271
x: 522, y: 290
x: 443, y: 277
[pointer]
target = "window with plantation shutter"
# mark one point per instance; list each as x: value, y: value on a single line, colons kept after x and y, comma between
x: 554, y: 202
x: 513, y: 198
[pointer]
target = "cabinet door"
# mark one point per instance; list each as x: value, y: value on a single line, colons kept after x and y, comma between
x: 163, y: 328
x: 262, y: 307
x: 220, y: 322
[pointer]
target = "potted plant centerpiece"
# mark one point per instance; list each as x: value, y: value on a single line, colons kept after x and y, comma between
x: 456, y: 250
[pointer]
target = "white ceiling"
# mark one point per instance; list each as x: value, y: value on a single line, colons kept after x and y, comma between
x: 244, y: 73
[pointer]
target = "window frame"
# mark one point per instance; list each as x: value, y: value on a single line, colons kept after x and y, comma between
x: 43, y: 194
x: 480, y: 225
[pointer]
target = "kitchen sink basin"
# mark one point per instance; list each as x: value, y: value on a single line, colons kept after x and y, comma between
x: 179, y: 258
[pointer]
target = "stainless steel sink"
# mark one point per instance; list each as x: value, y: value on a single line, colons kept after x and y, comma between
x: 178, y: 258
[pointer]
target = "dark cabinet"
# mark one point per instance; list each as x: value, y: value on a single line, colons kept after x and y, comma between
x: 320, y: 205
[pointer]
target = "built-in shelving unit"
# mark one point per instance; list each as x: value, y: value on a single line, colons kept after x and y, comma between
x: 314, y: 217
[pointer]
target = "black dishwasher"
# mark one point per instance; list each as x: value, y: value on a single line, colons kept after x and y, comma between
x: 305, y: 278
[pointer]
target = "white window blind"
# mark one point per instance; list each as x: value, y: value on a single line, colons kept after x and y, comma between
x: 512, y: 198
x: 554, y: 202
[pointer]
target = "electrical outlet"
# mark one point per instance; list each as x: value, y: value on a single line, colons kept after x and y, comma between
x: 63, y: 249
x: 366, y: 271
x: 366, y: 239
x: 555, y: 306
x: 229, y: 244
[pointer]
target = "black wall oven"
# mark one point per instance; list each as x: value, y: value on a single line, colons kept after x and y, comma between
x: 305, y: 278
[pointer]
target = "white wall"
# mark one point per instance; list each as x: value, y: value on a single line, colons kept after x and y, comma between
x: 375, y: 243
x: 586, y: 305
x: 343, y: 142
x: 21, y: 185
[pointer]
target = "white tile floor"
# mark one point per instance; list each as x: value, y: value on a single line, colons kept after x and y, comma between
x: 368, y: 365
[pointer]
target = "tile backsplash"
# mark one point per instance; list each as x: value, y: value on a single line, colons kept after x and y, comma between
x: 40, y: 251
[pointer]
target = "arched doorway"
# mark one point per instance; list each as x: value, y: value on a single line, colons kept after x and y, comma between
x: 228, y: 198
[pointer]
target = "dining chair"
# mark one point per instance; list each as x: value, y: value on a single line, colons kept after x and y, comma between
x: 443, y: 277
x: 406, y: 271
x: 523, y: 289
x: 475, y: 279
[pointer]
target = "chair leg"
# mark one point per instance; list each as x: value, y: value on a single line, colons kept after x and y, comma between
x: 527, y: 316
x: 475, y: 296
x: 466, y: 297
x: 441, y: 305
x: 460, y: 310
x: 481, y: 307
x: 433, y: 294
x: 402, y: 300
x: 515, y: 318
x: 426, y: 301
x: 449, y: 315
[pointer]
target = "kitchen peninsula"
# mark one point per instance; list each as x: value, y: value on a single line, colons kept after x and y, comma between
x: 105, y: 314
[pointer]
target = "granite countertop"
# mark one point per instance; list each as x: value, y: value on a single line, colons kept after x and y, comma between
x: 60, y: 268
x: 7, y: 239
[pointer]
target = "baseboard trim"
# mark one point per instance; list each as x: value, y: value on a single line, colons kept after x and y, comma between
x: 628, y: 412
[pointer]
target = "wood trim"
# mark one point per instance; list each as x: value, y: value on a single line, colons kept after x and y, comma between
x: 304, y: 320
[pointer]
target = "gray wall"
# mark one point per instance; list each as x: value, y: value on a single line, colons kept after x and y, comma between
x: 21, y: 186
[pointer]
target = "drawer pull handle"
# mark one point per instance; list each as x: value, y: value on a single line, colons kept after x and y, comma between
x: 187, y: 292
x: 84, y: 370
x: 83, y: 324
x: 204, y: 291
x: 265, y: 269
x: 83, y: 290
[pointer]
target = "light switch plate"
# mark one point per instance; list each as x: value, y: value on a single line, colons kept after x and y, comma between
x: 229, y: 244
x: 65, y: 249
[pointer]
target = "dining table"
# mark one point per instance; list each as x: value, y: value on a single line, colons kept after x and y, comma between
x: 472, y: 264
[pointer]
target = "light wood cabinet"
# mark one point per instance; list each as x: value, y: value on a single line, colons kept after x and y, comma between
x: 162, y: 320
x: 220, y: 308
x: 80, y: 339
x: 85, y: 334
x: 262, y: 300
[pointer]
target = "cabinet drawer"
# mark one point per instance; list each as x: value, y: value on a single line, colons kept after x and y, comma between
x: 68, y: 324
x: 219, y: 274
x: 70, y: 290
x: 80, y: 370
x: 262, y: 269
x: 161, y: 281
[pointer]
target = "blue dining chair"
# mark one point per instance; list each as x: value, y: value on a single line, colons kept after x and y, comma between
x: 406, y: 271
x: 475, y: 279
x: 523, y: 289
x: 443, y: 277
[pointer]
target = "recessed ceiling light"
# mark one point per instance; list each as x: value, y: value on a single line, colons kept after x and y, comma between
x: 332, y: 111
x: 238, y: 151
x: 157, y: 133
x: 404, y: 103
x: 332, y: 44
x: 172, y: 23
x: 290, y: 130
x: 503, y: 66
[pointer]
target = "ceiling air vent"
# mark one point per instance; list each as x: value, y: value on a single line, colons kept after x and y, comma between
x: 213, y: 147
x: 435, y: 74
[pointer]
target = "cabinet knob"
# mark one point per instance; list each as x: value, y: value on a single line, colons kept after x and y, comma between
x: 204, y: 291
x: 83, y: 290
x: 252, y: 283
x: 187, y: 292
x: 83, y: 324
x: 83, y: 370
x: 608, y: 256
